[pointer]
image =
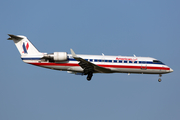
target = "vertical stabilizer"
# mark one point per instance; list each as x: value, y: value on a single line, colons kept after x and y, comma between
x: 24, y: 46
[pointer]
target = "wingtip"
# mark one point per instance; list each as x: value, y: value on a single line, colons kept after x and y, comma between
x: 73, y: 53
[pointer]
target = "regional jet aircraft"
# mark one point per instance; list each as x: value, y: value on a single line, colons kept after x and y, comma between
x: 87, y: 64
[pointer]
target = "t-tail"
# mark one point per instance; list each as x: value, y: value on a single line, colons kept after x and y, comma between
x: 24, y: 46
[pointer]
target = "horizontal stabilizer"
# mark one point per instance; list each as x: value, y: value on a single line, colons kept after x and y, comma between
x: 14, y: 37
x: 24, y: 46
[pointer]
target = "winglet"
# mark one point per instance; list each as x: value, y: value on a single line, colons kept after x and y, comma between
x: 73, y: 53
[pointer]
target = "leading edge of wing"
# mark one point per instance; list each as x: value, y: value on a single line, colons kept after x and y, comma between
x: 96, y: 67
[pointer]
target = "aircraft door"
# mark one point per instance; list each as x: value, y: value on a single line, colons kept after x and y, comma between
x: 143, y: 65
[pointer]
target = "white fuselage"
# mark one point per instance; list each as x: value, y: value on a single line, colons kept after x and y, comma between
x: 117, y: 64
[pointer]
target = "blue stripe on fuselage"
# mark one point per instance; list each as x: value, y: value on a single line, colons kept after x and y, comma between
x: 31, y: 58
x: 99, y: 60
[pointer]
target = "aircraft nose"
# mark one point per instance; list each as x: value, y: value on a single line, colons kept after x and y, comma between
x: 171, y: 70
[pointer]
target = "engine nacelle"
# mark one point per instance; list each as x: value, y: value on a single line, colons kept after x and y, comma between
x: 60, y: 56
x: 56, y: 57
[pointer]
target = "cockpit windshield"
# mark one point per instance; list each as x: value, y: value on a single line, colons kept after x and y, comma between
x: 157, y: 62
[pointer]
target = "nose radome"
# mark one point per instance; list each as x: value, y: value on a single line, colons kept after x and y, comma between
x: 171, y: 70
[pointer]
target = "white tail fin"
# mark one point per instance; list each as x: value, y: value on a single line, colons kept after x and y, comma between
x: 24, y: 46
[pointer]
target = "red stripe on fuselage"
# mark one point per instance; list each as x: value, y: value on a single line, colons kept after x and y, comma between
x: 106, y: 66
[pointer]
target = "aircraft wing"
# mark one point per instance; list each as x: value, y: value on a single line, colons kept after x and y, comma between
x: 86, y: 65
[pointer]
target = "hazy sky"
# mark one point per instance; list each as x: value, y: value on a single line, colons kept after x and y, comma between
x: 116, y: 27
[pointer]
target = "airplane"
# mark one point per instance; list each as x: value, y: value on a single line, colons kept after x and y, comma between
x: 79, y: 64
